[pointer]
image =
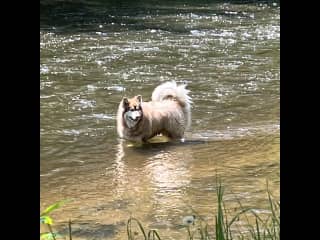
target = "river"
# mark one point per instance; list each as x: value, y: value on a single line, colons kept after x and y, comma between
x: 93, y: 53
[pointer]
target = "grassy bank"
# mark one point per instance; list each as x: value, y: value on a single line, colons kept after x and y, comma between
x: 264, y: 226
x: 259, y: 226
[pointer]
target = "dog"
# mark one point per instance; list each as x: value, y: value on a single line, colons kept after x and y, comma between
x: 168, y: 113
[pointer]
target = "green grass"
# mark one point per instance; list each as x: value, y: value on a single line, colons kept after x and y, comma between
x: 47, y: 220
x: 132, y: 234
x: 269, y: 228
x: 266, y: 227
x: 259, y: 226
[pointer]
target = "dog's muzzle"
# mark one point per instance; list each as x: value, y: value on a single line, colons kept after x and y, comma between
x: 134, y: 115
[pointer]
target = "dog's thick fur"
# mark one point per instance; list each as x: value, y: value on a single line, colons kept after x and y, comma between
x: 168, y: 113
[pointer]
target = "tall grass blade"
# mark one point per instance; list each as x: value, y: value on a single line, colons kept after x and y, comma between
x: 52, y: 233
x: 154, y: 234
x: 70, y: 235
x: 258, y: 230
x: 237, y: 216
x: 129, y: 231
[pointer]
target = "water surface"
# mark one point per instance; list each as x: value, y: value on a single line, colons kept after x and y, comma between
x: 92, y: 54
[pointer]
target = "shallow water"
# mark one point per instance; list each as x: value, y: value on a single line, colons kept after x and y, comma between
x: 94, y: 53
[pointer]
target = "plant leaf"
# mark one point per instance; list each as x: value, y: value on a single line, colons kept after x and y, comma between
x: 46, y: 220
x: 49, y: 236
x: 53, y: 207
x: 46, y: 235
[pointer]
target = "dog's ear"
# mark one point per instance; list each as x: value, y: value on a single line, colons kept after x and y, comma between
x: 125, y: 102
x: 139, y: 98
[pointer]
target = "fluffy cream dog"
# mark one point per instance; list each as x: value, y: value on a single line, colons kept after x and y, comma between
x: 168, y: 113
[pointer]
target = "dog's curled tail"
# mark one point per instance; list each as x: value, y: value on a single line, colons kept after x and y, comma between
x: 172, y: 91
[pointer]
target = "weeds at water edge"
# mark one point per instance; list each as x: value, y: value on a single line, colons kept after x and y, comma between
x: 266, y: 227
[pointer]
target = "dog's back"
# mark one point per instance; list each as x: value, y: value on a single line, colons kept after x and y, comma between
x: 179, y: 93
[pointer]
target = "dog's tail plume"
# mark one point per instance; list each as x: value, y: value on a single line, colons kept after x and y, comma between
x: 170, y: 90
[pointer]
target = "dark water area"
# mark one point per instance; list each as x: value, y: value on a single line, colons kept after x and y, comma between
x: 92, y: 53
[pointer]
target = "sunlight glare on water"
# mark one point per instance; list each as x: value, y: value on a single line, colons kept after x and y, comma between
x: 93, y: 54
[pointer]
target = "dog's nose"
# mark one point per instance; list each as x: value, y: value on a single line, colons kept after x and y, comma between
x: 135, y: 116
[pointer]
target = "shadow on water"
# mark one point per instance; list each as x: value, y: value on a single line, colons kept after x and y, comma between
x: 85, y: 230
x: 159, y: 143
x: 173, y: 143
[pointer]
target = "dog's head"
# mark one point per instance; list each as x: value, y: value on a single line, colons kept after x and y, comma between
x: 132, y: 113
